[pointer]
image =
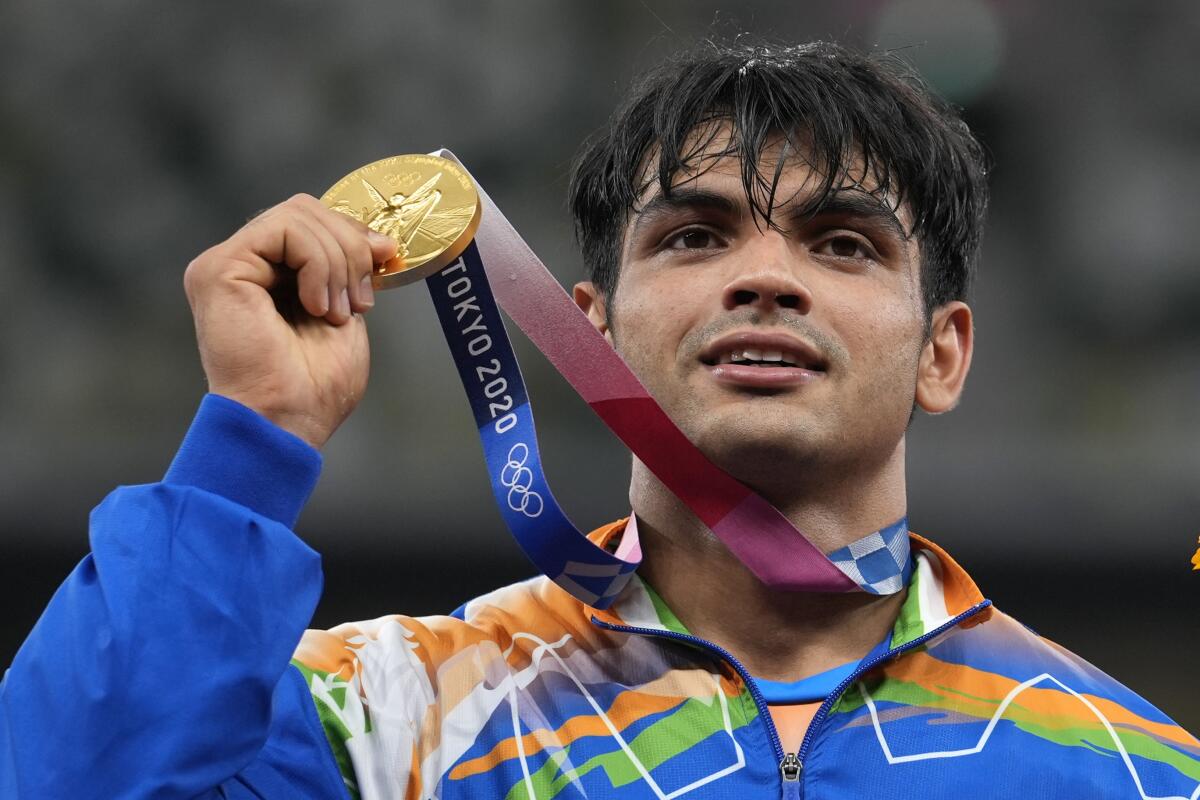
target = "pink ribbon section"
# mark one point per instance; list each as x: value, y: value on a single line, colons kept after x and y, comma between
x: 753, y: 530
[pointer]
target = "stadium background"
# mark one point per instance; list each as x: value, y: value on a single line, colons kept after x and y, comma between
x: 135, y: 134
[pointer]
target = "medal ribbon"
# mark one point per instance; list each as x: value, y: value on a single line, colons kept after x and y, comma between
x: 499, y: 267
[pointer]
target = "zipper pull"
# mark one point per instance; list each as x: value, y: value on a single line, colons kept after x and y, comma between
x: 789, y: 770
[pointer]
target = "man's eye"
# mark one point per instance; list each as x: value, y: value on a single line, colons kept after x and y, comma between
x: 847, y: 247
x: 692, y: 239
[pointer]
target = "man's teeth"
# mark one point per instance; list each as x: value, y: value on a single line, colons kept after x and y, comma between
x: 752, y: 355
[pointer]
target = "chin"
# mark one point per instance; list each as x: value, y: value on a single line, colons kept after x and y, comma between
x: 758, y: 459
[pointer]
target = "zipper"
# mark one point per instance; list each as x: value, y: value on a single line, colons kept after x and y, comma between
x: 866, y: 666
x: 789, y: 772
x: 755, y: 692
x: 791, y: 765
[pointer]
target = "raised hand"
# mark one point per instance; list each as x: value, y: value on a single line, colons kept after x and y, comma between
x: 278, y: 310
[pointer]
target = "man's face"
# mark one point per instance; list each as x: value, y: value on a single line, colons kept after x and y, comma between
x: 774, y: 351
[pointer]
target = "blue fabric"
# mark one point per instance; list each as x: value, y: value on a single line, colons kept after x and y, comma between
x: 233, y: 452
x: 156, y: 669
x: 808, y: 690
x: 296, y: 761
x: 815, y: 687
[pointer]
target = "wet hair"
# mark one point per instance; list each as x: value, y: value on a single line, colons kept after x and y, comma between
x: 840, y: 111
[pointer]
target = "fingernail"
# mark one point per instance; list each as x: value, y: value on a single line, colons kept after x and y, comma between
x: 378, y: 238
x: 366, y: 294
x: 343, y: 303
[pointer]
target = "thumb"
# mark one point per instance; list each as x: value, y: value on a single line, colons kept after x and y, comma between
x: 382, y: 247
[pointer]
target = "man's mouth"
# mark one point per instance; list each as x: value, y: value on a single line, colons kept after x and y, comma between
x: 763, y: 349
x: 760, y: 358
x: 763, y: 360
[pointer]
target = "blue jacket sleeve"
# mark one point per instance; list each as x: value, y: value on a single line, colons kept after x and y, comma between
x: 156, y: 669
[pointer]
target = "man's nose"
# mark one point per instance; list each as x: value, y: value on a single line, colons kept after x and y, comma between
x: 768, y: 279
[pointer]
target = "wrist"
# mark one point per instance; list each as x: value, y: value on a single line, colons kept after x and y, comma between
x: 302, y: 426
x: 276, y: 408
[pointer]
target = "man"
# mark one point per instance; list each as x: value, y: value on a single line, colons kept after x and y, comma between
x: 780, y: 244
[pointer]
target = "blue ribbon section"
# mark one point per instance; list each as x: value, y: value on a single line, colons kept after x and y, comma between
x: 879, y: 562
x: 492, y: 379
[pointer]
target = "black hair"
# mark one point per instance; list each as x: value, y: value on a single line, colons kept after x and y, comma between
x: 837, y: 109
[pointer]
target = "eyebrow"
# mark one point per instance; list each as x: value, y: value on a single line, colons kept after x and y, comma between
x: 665, y: 205
x: 854, y: 203
x: 839, y: 202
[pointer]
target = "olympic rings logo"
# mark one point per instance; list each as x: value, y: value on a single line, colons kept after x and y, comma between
x: 518, y: 478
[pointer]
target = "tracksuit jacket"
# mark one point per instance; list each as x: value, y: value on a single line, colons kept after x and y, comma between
x: 173, y: 663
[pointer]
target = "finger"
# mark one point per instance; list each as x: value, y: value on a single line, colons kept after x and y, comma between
x: 266, y: 232
x: 287, y: 242
x: 312, y: 276
x: 280, y: 236
x: 355, y: 240
x: 339, y: 299
x: 383, y: 248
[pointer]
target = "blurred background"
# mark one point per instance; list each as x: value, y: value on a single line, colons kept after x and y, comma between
x: 135, y: 134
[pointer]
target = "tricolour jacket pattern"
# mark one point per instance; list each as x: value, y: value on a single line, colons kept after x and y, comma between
x: 527, y: 693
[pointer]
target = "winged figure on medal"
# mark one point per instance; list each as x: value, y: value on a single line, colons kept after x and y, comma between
x: 406, y: 218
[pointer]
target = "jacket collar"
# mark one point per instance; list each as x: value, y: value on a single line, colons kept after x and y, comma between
x: 938, y: 591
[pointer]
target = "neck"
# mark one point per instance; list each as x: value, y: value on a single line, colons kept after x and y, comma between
x: 777, y: 635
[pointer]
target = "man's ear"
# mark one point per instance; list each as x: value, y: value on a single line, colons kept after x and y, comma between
x: 591, y: 300
x: 946, y: 358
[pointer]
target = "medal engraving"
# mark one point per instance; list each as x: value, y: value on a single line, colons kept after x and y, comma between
x: 427, y: 204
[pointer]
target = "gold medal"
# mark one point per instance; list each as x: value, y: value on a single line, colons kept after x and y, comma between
x: 427, y: 204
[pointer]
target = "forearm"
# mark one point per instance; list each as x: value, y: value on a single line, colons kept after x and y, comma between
x: 152, y: 669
